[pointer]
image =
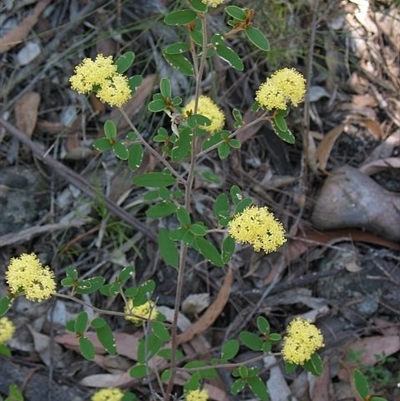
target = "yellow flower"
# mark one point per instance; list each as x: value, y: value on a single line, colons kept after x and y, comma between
x: 136, y: 314
x: 7, y: 329
x: 101, y: 75
x: 302, y: 340
x: 207, y: 108
x: 26, y: 274
x: 90, y: 73
x: 283, y: 86
x: 115, y: 91
x: 212, y: 3
x: 196, y: 395
x: 108, y: 394
x: 257, y: 226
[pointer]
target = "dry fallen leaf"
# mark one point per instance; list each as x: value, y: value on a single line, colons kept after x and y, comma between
x: 26, y: 112
x: 21, y: 31
x: 325, y: 147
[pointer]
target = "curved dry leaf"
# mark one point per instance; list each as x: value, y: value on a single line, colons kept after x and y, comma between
x: 26, y: 112
x: 378, y: 165
x: 325, y: 147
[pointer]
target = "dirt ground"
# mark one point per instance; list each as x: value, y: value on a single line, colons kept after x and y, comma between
x: 336, y: 190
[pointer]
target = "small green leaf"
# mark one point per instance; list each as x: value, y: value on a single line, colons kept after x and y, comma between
x: 197, y: 36
x: 167, y: 248
x: 236, y: 194
x: 157, y: 105
x: 106, y: 338
x: 120, y: 150
x: 81, y: 323
x: 180, y: 17
x: 234, y: 143
x: 275, y: 337
x: 126, y: 273
x: 237, y: 386
x: 243, y: 371
x: 163, y: 209
x: 221, y: 209
x: 224, y: 150
x: 124, y: 61
x: 165, y: 87
x: 183, y: 216
x: 14, y: 393
x: 198, y: 5
x: 258, y: 387
x: 251, y: 340
x: 134, y: 82
x: 110, y: 130
x: 238, y: 118
x: 182, y: 146
x: 236, y: 12
x: 280, y: 122
x: 90, y: 285
x: 314, y: 365
x: 243, y: 204
x: 228, y: 55
x: 290, y: 367
x: 372, y: 399
x: 198, y: 229
x: 160, y: 331
x: 154, y: 179
x: 208, y: 250
x: 67, y: 282
x: 102, y: 144
x: 229, y: 350
x: 285, y: 134
x: 4, y: 350
x: 258, y: 39
x: 176, y: 48
x: 263, y: 325
x: 361, y: 384
x: 138, y: 371
x: 228, y: 249
x: 5, y: 304
x: 180, y: 63
x: 86, y: 348
x: 135, y: 156
x: 166, y: 375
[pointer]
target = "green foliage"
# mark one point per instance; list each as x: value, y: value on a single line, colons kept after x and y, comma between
x: 5, y: 304
x: 14, y: 393
x: 4, y: 350
x: 124, y: 62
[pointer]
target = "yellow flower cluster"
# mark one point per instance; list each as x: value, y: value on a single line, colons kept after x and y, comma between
x: 196, y: 395
x: 101, y: 75
x: 302, y: 340
x: 26, y: 275
x: 137, y: 314
x: 212, y: 3
x: 108, y: 394
x: 257, y: 226
x: 283, y: 86
x: 207, y: 108
x: 7, y: 329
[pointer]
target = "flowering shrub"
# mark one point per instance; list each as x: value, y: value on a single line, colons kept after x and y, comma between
x: 195, y: 130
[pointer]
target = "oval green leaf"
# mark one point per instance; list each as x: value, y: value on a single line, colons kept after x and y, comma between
x: 180, y: 63
x: 161, y: 210
x: 180, y: 17
x: 154, y: 179
x: 236, y: 12
x: 102, y: 144
x: 110, y: 129
x: 120, y: 150
x: 86, y: 348
x: 124, y: 61
x: 176, y: 48
x: 231, y: 57
x: 167, y: 248
x: 258, y: 39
